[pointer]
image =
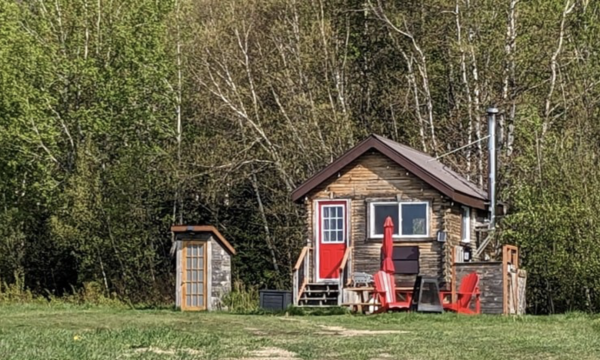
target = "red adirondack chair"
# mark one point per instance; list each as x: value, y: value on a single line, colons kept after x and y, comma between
x: 385, y: 291
x: 469, y: 289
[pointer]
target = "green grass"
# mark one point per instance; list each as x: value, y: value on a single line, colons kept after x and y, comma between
x: 77, y: 332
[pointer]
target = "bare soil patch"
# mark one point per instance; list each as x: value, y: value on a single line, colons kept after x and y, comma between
x: 159, y: 351
x: 256, y: 331
x: 271, y: 353
x: 341, y: 331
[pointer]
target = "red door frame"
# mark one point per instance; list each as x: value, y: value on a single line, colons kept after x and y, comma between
x: 318, y: 234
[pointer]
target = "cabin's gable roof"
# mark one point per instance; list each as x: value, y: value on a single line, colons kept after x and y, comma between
x: 425, y: 167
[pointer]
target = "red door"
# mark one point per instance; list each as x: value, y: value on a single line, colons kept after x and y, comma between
x: 332, y: 234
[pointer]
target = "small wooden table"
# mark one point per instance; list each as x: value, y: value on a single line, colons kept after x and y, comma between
x: 364, y: 294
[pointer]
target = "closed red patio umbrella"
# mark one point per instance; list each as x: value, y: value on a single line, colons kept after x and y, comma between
x: 387, y: 248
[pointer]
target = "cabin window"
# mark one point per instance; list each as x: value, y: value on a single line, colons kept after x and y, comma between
x: 379, y: 212
x: 411, y: 219
x: 466, y: 224
x: 333, y: 224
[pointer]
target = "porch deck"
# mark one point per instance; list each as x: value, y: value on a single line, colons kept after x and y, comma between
x: 502, y: 284
x: 309, y: 292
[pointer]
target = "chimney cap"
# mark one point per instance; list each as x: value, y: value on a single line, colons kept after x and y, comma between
x: 492, y: 110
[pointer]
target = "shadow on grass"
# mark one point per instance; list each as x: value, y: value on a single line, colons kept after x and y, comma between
x: 294, y: 311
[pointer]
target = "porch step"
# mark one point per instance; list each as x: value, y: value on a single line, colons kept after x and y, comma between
x: 328, y: 291
x: 304, y: 297
x: 319, y: 295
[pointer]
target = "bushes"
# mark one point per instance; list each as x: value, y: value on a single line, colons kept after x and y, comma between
x: 241, y: 298
x: 90, y: 293
x: 555, y: 220
x: 15, y: 292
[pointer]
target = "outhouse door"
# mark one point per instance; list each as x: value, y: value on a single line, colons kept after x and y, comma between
x: 194, y: 275
x: 332, y: 236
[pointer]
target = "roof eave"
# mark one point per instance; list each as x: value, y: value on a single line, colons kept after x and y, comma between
x: 430, y: 179
x: 375, y: 143
x: 469, y: 200
x: 332, y: 168
x: 204, y: 228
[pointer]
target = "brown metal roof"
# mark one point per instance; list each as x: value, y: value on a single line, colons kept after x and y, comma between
x: 204, y: 228
x: 427, y: 168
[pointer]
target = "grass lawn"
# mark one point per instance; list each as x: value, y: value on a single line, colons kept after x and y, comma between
x: 71, y: 332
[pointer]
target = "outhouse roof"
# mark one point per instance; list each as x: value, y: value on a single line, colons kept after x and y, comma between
x: 204, y: 228
x: 422, y: 165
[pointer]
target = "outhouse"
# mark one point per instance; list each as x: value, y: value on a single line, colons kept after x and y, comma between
x: 203, y: 267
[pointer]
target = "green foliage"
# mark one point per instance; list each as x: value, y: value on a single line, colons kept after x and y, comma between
x: 556, y: 222
x: 93, y: 169
x: 86, y: 129
x: 16, y: 292
x: 91, y: 293
x: 241, y: 299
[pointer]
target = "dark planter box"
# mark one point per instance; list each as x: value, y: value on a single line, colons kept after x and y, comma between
x: 275, y: 300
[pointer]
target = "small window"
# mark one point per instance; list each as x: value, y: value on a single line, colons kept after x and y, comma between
x: 466, y: 224
x: 414, y: 219
x: 411, y: 219
x: 380, y: 212
x: 333, y: 224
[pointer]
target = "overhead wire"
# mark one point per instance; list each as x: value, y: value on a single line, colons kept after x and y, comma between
x: 460, y: 148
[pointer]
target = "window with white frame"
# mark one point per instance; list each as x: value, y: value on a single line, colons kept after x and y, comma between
x: 411, y: 219
x: 333, y: 224
x: 466, y: 224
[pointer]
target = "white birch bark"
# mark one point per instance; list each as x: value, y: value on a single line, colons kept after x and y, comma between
x: 554, y: 67
x: 506, y: 126
x: 421, y: 66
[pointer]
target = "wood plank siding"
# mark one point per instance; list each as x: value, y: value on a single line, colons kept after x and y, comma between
x: 373, y: 176
x: 453, y: 228
x: 490, y: 283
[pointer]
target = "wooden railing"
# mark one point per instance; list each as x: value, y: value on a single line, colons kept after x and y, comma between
x: 301, y: 273
x: 345, y: 271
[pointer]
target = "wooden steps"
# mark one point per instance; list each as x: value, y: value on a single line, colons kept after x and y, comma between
x: 319, y: 295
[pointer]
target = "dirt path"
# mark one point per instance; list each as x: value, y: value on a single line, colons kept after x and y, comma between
x: 341, y: 331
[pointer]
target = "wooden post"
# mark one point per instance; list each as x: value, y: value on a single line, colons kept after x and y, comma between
x: 510, y: 255
x: 308, y: 266
x: 515, y: 278
x: 295, y: 288
x: 522, y: 282
x: 504, y: 281
x: 453, y: 275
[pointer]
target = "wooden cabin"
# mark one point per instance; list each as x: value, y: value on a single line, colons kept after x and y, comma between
x: 435, y: 212
x: 203, y: 260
